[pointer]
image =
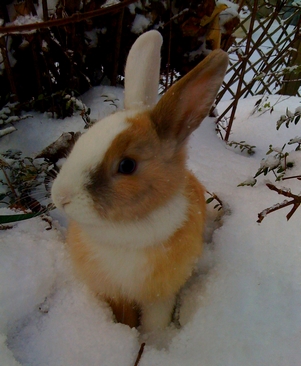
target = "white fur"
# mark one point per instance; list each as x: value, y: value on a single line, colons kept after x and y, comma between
x: 121, y: 266
x: 69, y: 193
x: 87, y: 153
x: 142, y: 71
x: 157, y: 227
x: 157, y: 314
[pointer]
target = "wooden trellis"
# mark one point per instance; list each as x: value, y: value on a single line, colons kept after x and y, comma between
x: 263, y: 59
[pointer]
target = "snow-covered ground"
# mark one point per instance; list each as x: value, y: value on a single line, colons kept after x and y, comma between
x: 242, y: 307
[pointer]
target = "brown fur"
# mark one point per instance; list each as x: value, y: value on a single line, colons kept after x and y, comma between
x: 158, y: 177
x: 156, y: 139
x: 171, y: 262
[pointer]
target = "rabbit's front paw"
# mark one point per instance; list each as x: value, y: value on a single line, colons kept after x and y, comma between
x: 157, y: 314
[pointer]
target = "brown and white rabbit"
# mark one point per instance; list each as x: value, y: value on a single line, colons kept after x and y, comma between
x: 136, y: 213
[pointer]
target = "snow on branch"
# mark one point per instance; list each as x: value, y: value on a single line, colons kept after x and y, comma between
x: 296, y: 201
x: 74, y: 18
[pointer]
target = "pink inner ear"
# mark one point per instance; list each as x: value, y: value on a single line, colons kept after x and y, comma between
x: 181, y: 110
x: 196, y: 100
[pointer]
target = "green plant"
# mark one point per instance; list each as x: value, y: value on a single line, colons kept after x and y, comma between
x: 243, y: 146
x: 213, y: 197
x: 25, y: 182
x: 9, y: 114
x: 263, y: 104
x: 110, y: 98
x: 60, y: 104
x: 289, y: 117
x: 278, y: 164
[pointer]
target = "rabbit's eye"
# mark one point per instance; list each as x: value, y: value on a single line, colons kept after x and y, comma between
x: 127, y: 166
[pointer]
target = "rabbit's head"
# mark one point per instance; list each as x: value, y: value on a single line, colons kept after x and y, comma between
x: 132, y: 163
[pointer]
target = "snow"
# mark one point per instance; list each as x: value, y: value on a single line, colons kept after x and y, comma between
x: 140, y: 23
x: 241, y: 307
x: 110, y: 3
x: 228, y: 14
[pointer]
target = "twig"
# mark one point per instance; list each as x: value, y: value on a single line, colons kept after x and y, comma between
x: 76, y: 17
x: 292, y: 177
x: 296, y: 201
x: 5, y: 227
x: 215, y: 197
x: 139, y: 354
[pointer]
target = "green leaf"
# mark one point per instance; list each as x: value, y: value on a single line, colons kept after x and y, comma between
x: 265, y: 171
x: 209, y: 200
x: 6, y: 219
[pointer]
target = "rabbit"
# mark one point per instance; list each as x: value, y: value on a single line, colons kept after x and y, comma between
x: 136, y: 213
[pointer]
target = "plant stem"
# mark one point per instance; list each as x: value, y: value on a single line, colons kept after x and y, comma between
x: 9, y: 183
x: 139, y: 354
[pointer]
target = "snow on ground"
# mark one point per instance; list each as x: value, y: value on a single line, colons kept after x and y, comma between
x: 241, y: 308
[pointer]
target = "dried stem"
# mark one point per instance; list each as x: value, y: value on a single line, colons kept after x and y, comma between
x: 215, y: 197
x: 139, y: 354
x: 292, y: 177
x: 296, y: 201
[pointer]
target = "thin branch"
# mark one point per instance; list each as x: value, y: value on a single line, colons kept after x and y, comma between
x: 76, y: 17
x: 296, y: 202
x: 139, y: 354
x: 292, y: 177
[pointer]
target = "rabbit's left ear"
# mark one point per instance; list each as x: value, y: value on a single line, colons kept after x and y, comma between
x: 183, y: 107
x: 142, y: 71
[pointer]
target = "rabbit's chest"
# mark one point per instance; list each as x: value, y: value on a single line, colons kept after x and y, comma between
x: 116, y: 271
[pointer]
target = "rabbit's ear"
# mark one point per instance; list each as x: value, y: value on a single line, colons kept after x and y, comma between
x: 142, y: 71
x: 181, y: 110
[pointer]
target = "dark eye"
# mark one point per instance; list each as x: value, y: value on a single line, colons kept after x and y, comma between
x: 127, y: 166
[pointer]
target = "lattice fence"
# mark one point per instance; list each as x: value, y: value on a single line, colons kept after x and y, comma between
x: 266, y: 56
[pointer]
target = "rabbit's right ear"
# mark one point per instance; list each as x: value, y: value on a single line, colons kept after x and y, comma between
x: 186, y: 103
x: 142, y: 71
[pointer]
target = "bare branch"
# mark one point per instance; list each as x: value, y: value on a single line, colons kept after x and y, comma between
x: 74, y: 18
x: 139, y: 354
x: 296, y: 201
